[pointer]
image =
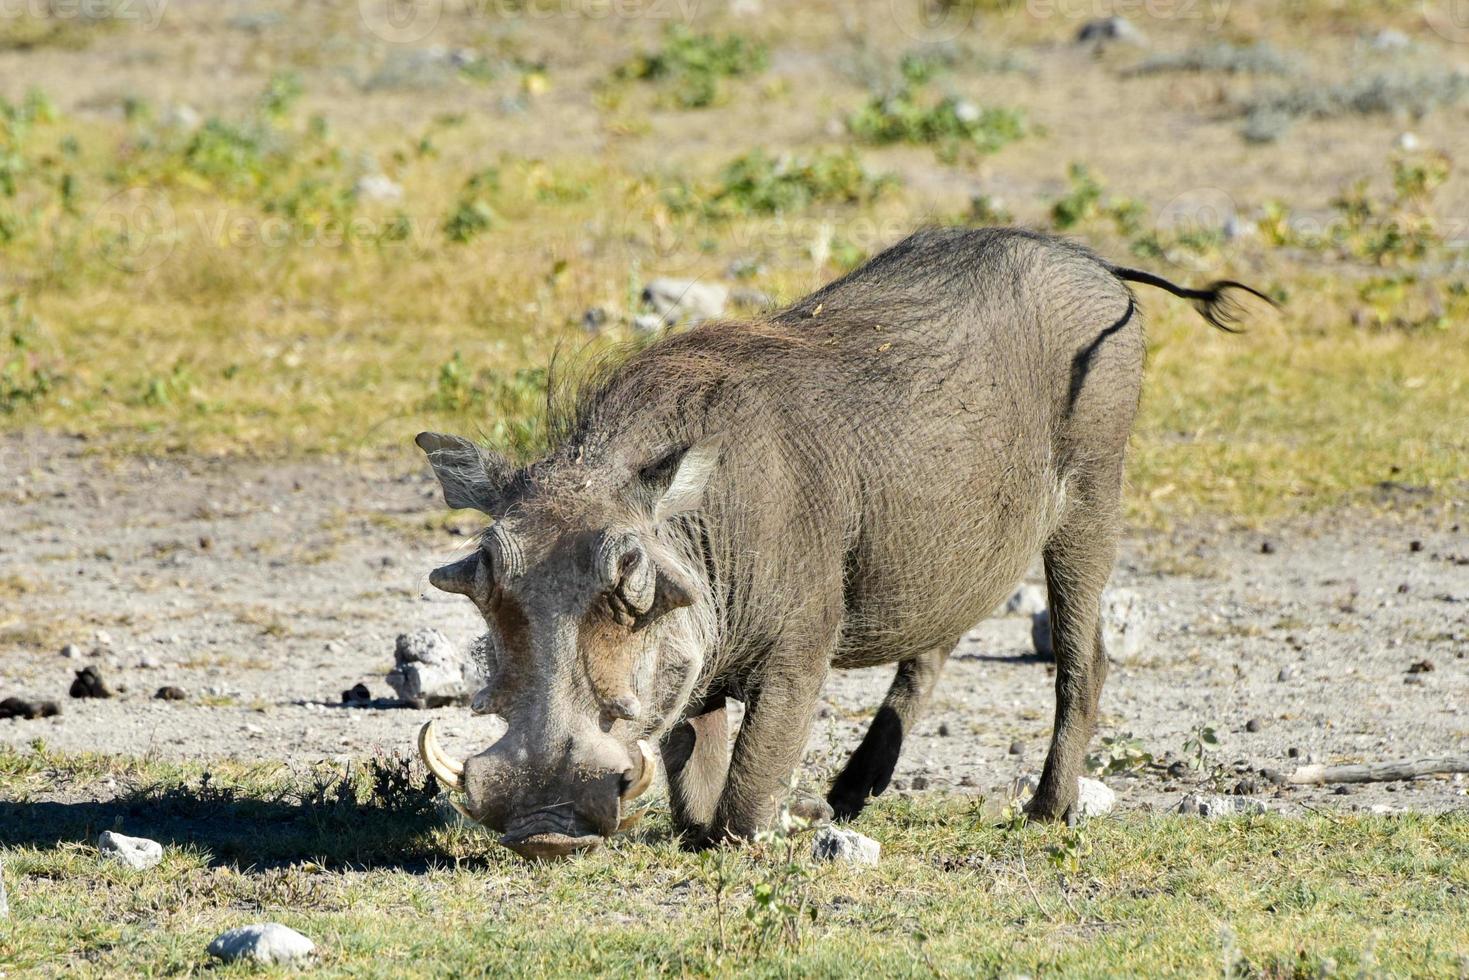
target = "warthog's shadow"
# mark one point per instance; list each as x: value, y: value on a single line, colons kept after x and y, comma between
x: 333, y: 823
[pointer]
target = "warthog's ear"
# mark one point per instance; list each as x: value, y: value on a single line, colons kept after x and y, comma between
x: 470, y: 475
x: 677, y: 480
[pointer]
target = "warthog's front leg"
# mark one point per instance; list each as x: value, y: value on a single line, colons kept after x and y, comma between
x: 696, y: 759
x: 778, y: 716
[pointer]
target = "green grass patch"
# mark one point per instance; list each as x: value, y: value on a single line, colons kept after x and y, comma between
x: 384, y: 886
x: 691, y: 68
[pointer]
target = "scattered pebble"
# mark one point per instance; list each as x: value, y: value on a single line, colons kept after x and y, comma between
x: 1255, y: 725
x: 71, y: 652
x: 918, y: 783
x: 1420, y: 667
x: 267, y: 942
x: 676, y: 300
x: 1040, y: 634
x: 377, y: 187
x: 1293, y: 752
x: 1017, y: 747
x: 429, y: 672
x: 1026, y: 601
x: 89, y: 684
x: 138, y: 853
x: 102, y: 638
x: 1107, y: 30
x: 1286, y: 673
x: 1267, y: 547
x: 1212, y: 807
x: 170, y: 693
x: 848, y: 846
x: 21, y: 708
x: 943, y: 729
x: 357, y: 694
x: 1094, y: 798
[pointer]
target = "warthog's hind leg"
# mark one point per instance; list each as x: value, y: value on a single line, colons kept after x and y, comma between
x: 1078, y: 560
x: 868, y: 771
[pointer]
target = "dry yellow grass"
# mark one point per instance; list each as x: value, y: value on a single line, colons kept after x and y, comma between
x: 255, y: 307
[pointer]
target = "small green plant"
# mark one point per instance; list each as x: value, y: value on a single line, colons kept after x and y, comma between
x: 949, y: 124
x: 780, y: 901
x: 1069, y: 853
x: 472, y: 215
x: 692, y: 67
x: 1197, y: 746
x: 1118, y: 754
x: 758, y: 183
x: 1086, y: 200
x: 24, y: 378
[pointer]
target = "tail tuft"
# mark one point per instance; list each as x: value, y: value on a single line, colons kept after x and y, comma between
x: 1214, y: 303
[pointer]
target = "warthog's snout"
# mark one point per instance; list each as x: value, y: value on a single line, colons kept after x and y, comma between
x: 545, y: 812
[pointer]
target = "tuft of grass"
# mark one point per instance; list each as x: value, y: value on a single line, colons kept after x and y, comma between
x: 691, y: 68
x: 949, y: 124
x: 757, y: 183
x: 1223, y: 57
x: 1401, y: 93
x: 959, y: 891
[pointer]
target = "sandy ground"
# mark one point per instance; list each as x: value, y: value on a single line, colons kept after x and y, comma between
x: 264, y: 590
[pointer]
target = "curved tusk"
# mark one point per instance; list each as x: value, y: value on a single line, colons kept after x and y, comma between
x: 645, y: 777
x: 446, y: 770
x: 462, y: 810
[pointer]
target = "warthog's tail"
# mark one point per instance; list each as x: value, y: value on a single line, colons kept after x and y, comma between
x: 1214, y: 303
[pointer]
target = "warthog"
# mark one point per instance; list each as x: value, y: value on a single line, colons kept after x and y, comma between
x: 733, y: 511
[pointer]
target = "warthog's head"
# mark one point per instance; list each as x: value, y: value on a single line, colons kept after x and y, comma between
x: 595, y: 616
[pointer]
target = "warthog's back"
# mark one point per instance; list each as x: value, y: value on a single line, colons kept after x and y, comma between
x: 898, y: 444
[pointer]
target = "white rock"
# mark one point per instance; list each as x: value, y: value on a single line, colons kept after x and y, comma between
x: 646, y: 323
x: 71, y: 652
x: 1212, y: 807
x: 1408, y: 142
x: 1040, y: 633
x: 136, y: 852
x: 686, y: 299
x: 1026, y: 601
x: 966, y: 111
x: 1105, y: 30
x: 377, y: 187
x: 103, y: 638
x: 1390, y: 40
x: 1127, y: 623
x: 184, y: 117
x: 267, y: 942
x: 1094, y: 798
x: 429, y: 672
x: 836, y: 844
